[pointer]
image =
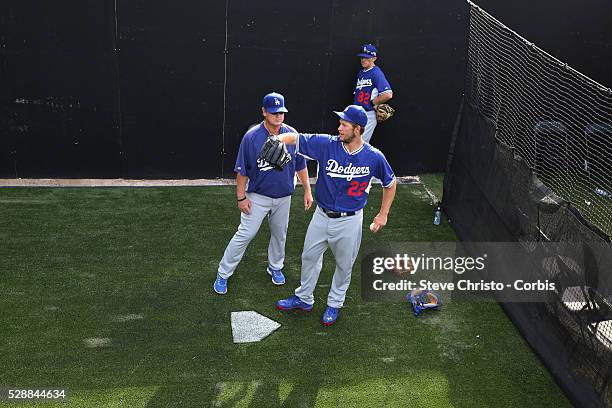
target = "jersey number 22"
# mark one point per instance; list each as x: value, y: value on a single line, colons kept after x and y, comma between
x: 356, y: 189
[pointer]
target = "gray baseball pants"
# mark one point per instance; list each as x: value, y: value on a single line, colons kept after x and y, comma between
x: 370, y: 126
x: 277, y: 210
x: 343, y: 236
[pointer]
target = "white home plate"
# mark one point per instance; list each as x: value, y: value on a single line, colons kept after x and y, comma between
x: 250, y: 327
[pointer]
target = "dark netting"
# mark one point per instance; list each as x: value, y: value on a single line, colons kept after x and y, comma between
x: 530, y: 162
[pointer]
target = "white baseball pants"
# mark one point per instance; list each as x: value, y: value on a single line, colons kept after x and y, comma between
x: 370, y: 126
x: 277, y: 210
x: 343, y: 236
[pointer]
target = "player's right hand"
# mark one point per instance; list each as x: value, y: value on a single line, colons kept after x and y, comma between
x: 308, y: 200
x: 379, y: 222
x: 245, y: 206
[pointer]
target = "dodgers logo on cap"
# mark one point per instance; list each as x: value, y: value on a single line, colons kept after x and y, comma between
x: 274, y: 103
x: 368, y: 51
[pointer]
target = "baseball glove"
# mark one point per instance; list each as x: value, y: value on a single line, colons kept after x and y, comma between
x: 275, y: 153
x: 384, y: 112
x: 423, y: 299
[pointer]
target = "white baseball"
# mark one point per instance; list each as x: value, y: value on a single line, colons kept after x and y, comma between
x: 372, y: 225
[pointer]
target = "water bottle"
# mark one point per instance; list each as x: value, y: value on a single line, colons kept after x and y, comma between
x: 603, y: 192
x: 437, y: 215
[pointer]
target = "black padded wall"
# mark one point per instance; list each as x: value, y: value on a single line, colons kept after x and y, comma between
x: 171, y: 75
x: 58, y: 99
x: 149, y: 89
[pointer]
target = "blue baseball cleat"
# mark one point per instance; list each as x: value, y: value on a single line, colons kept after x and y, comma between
x: 292, y: 303
x: 330, y: 316
x: 277, y: 276
x: 220, y: 285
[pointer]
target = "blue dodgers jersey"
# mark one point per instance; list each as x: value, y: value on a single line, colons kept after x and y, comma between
x: 370, y: 84
x: 263, y: 179
x: 343, y: 182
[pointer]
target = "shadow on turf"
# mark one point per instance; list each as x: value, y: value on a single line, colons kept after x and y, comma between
x: 259, y: 394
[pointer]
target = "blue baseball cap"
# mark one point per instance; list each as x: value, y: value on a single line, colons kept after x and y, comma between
x: 274, y: 103
x: 354, y: 114
x: 368, y: 51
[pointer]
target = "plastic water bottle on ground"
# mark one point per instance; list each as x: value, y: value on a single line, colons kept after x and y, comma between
x: 603, y: 192
x: 437, y: 215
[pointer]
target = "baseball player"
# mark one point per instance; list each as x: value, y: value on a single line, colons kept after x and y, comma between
x: 372, y: 88
x: 263, y: 191
x: 346, y: 167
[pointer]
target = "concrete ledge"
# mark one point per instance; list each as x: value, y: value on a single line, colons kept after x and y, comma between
x: 142, y: 183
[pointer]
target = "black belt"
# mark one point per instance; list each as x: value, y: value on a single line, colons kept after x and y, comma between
x: 336, y: 214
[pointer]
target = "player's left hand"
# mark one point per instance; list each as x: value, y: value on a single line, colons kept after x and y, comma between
x: 307, y: 201
x: 383, y: 112
x: 379, y: 222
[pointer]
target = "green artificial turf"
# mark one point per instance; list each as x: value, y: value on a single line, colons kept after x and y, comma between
x: 135, y: 266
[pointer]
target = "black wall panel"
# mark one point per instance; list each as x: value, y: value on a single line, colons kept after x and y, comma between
x: 59, y: 105
x: 171, y: 66
x: 151, y: 89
